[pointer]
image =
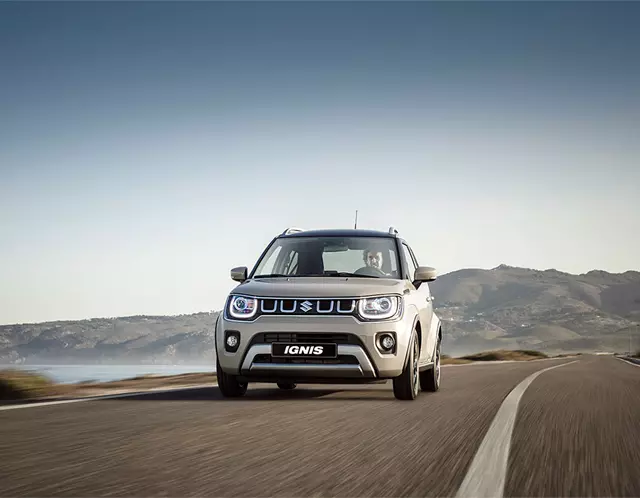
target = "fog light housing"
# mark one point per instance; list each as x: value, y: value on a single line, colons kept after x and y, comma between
x: 231, y: 341
x: 386, y: 342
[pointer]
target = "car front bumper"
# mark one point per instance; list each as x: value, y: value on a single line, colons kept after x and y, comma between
x: 358, y: 356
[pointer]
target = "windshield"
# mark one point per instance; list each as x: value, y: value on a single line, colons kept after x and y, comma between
x: 330, y: 256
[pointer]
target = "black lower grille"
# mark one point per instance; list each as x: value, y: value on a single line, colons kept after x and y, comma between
x: 271, y: 337
x: 343, y: 359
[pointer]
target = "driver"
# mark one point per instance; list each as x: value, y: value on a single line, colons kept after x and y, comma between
x: 372, y: 259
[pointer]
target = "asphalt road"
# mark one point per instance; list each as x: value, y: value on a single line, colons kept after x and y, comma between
x: 576, y: 433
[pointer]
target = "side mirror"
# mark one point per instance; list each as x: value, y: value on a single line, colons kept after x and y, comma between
x: 239, y: 273
x: 425, y: 274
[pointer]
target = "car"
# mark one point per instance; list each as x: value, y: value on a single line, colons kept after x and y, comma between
x: 331, y: 306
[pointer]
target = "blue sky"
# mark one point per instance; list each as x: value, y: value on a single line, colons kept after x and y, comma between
x: 146, y: 148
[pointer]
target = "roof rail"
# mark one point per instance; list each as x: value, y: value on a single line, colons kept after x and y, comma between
x: 393, y: 231
x: 292, y: 230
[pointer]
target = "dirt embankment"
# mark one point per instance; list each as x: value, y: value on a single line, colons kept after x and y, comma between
x: 498, y: 355
x: 16, y: 385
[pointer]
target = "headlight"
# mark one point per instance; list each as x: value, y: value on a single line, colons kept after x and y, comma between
x: 243, y: 307
x: 378, y: 308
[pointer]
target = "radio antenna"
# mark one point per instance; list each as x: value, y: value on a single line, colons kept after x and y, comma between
x: 355, y: 225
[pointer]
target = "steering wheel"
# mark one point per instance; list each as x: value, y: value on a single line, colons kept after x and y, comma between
x: 370, y: 270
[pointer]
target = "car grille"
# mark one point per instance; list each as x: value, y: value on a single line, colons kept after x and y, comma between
x: 305, y: 337
x: 343, y: 359
x: 307, y: 307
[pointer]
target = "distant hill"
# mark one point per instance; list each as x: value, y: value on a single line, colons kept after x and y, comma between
x: 548, y: 310
x: 124, y: 340
x: 501, y: 308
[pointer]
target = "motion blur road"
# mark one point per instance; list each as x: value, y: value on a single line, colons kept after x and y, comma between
x: 576, y: 433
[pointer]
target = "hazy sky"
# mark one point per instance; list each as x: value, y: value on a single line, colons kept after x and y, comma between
x: 147, y: 148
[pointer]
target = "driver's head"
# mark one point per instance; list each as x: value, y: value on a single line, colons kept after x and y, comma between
x: 373, y: 258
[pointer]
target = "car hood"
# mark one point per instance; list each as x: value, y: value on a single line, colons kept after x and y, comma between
x: 320, y: 287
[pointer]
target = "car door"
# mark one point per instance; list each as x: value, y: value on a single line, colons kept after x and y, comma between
x: 424, y: 302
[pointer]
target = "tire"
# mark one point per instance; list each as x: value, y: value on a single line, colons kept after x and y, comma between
x: 287, y: 386
x: 229, y: 385
x: 406, y: 386
x: 430, y: 379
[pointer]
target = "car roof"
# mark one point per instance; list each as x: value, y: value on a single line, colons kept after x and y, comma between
x: 339, y: 232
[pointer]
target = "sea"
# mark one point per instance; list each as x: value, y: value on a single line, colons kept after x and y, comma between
x: 71, y: 374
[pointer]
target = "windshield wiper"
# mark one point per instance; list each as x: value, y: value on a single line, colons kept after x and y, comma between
x: 345, y: 274
x: 272, y: 275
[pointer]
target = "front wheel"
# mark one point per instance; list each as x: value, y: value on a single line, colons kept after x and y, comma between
x: 406, y: 385
x: 229, y: 385
x: 430, y: 379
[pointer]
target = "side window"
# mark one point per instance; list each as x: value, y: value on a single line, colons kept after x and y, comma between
x: 411, y: 266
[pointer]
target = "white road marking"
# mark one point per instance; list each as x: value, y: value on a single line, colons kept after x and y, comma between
x: 487, y: 474
x: 37, y: 404
x: 628, y: 362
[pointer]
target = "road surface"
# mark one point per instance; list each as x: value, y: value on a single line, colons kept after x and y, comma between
x: 575, y: 432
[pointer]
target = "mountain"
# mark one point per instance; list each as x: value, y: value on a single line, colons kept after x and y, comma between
x: 123, y: 340
x: 502, y: 308
x: 546, y: 310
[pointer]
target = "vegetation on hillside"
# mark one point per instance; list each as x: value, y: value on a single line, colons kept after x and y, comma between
x: 547, y: 310
x: 124, y: 340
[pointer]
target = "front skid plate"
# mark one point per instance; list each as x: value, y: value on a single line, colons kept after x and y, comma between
x: 363, y: 369
x: 309, y: 380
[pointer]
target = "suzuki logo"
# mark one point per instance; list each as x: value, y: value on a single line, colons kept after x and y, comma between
x: 306, y: 306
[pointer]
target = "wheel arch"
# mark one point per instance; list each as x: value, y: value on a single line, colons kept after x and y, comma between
x: 436, y: 330
x: 418, y: 326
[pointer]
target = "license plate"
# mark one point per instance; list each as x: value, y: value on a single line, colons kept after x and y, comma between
x: 304, y: 350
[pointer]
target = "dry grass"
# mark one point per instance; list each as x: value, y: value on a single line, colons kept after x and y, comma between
x: 16, y: 384
x: 453, y: 361
x: 152, y: 381
x: 506, y: 355
x: 498, y: 355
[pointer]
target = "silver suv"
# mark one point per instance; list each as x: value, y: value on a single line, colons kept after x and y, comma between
x: 331, y: 306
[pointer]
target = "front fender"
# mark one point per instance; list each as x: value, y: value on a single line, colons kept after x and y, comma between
x: 218, y: 334
x: 412, y: 316
x: 435, y: 331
